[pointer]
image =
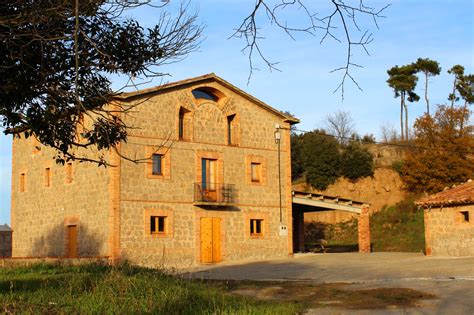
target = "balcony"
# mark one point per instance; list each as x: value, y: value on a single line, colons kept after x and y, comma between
x: 214, y: 194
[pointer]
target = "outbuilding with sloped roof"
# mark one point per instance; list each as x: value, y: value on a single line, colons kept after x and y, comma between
x: 449, y: 221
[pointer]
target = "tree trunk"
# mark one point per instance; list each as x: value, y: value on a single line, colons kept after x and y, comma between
x: 454, y: 92
x: 406, y: 121
x: 401, y: 116
x: 426, y: 94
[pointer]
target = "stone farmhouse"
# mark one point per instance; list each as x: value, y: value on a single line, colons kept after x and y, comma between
x: 215, y: 184
x: 449, y: 221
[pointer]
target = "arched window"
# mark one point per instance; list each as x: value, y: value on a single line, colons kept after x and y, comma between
x: 208, y: 94
x: 184, y: 124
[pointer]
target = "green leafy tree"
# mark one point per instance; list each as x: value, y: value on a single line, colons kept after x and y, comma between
x: 356, y: 161
x: 57, y: 60
x: 403, y: 82
x: 321, y: 159
x: 429, y: 68
x: 296, y: 156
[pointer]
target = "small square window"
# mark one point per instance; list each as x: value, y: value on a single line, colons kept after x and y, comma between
x: 464, y: 216
x: 157, y: 161
x: 255, y: 169
x: 47, y: 177
x: 256, y: 227
x: 157, y: 224
x: 22, y: 182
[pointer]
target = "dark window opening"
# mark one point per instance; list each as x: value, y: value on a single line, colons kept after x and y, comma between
x: 200, y: 94
x: 157, y: 160
x: 256, y: 226
x: 183, y: 124
x: 465, y: 216
x: 157, y: 224
x: 230, y: 126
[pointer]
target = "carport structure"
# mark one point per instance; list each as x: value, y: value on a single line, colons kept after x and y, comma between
x: 311, y: 202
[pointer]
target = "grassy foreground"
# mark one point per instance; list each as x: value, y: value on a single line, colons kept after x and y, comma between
x: 122, y: 290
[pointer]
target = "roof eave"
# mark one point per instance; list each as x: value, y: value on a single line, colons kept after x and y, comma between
x: 210, y: 76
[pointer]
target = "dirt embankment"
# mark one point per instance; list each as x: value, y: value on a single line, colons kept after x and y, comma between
x: 384, y: 188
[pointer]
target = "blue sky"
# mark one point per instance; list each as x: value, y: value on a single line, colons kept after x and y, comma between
x: 442, y: 30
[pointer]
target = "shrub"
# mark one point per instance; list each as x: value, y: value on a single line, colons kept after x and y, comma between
x: 397, y: 166
x: 357, y: 162
x: 321, y: 159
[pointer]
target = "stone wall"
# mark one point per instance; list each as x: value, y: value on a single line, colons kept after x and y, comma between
x: 172, y: 195
x: 40, y: 214
x: 112, y: 207
x: 447, y: 233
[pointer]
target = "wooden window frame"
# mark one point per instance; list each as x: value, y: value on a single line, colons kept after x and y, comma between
x: 158, y: 213
x: 255, y: 172
x: 219, y: 168
x: 255, y: 226
x: 165, y: 163
x: 156, y: 220
x: 157, y: 163
x: 261, y: 161
x: 263, y: 218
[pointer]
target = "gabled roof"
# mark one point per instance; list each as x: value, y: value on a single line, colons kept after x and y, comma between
x: 204, y: 78
x: 459, y: 195
x: 5, y: 228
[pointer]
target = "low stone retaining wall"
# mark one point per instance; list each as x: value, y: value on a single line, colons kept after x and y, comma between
x: 28, y: 261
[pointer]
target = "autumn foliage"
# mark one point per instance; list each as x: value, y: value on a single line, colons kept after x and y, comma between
x: 445, y: 151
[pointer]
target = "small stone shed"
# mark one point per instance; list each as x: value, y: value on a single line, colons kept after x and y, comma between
x: 449, y: 221
x: 5, y: 241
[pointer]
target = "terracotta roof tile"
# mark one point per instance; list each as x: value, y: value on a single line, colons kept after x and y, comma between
x: 459, y: 195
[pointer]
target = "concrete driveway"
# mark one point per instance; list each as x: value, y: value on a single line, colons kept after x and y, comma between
x: 450, y: 279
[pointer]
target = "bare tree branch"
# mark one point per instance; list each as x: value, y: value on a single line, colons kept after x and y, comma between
x: 326, y: 25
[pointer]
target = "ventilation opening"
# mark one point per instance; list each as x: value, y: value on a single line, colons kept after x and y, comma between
x: 464, y: 216
x: 208, y: 94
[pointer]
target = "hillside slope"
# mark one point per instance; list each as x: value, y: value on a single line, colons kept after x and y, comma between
x: 384, y: 188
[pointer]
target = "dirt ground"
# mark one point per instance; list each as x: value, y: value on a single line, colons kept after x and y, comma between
x: 353, y: 283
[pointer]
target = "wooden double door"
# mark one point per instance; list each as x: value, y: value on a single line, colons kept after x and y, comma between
x: 210, y: 240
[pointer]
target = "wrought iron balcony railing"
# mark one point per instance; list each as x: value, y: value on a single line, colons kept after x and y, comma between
x: 214, y: 194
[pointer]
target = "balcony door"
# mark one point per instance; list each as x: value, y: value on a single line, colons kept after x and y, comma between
x: 208, y: 179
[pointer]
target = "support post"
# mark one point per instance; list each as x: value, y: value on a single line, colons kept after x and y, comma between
x: 364, y: 231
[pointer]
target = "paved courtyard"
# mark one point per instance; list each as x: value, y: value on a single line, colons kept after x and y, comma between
x: 450, y: 279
